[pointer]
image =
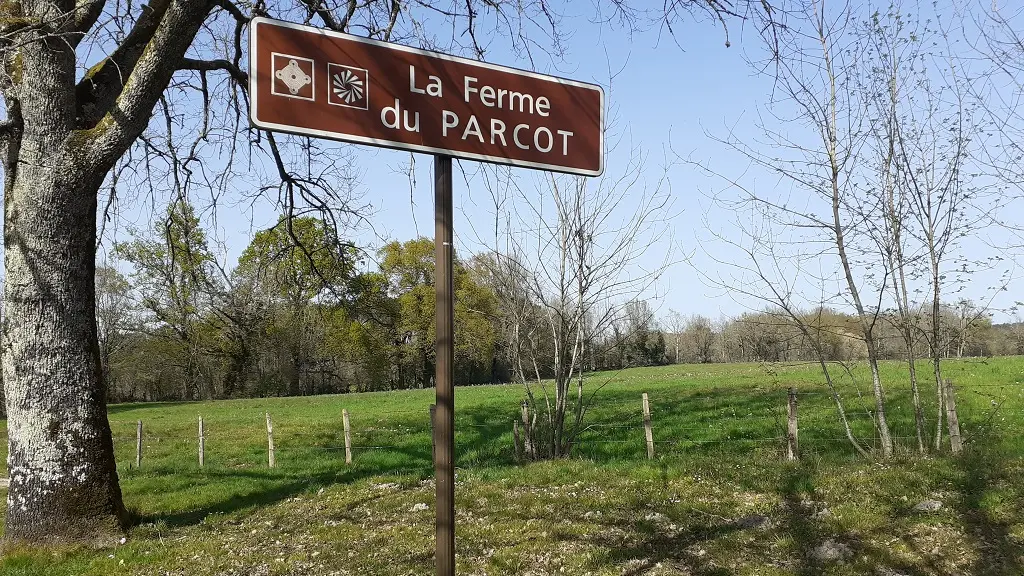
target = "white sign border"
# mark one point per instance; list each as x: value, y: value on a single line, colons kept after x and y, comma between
x: 344, y: 137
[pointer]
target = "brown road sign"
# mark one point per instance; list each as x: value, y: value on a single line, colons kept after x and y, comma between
x: 331, y: 85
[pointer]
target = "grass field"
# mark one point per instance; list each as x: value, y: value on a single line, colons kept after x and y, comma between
x: 718, y: 498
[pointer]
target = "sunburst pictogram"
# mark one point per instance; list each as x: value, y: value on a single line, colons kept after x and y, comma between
x: 347, y: 86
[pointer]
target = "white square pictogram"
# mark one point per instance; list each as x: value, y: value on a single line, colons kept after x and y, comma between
x: 294, y: 76
x: 348, y: 86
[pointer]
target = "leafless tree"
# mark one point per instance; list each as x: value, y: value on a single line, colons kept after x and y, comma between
x: 967, y: 315
x: 568, y: 254
x: 676, y: 324
x: 814, y: 145
x: 700, y: 333
x: 893, y: 163
x: 755, y: 261
x: 934, y: 136
x: 1001, y: 45
x: 1017, y: 333
x: 115, y: 318
x: 883, y: 206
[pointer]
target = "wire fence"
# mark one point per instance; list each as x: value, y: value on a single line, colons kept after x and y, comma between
x: 759, y: 423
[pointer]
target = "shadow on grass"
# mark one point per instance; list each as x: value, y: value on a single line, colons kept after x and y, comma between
x: 644, y: 541
x: 796, y: 486
x: 130, y: 406
x: 998, y: 553
x: 795, y: 517
x: 802, y: 520
x: 273, y: 486
x: 277, y: 488
x: 484, y: 441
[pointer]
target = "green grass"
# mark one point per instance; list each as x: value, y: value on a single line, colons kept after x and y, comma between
x: 718, y: 498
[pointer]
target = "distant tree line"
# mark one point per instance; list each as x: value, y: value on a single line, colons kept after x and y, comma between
x: 771, y: 336
x: 300, y: 314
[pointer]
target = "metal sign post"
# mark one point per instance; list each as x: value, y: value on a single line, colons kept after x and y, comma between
x: 326, y: 84
x: 444, y: 347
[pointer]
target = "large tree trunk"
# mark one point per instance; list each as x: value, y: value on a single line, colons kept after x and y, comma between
x: 59, y: 142
x: 63, y: 479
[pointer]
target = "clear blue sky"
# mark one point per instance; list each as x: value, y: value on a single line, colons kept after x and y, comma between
x: 667, y: 92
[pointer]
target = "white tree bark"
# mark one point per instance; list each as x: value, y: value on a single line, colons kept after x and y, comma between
x: 61, y: 459
x: 60, y: 140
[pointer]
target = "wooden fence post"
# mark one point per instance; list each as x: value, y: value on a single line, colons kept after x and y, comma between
x: 138, y: 445
x: 202, y: 443
x: 433, y: 446
x: 528, y: 446
x: 792, y: 431
x: 348, y: 436
x: 516, y: 446
x: 648, y: 431
x: 952, y: 419
x: 270, y: 442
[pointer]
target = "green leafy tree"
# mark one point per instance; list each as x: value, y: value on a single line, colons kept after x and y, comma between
x: 174, y: 271
x: 476, y: 332
x: 240, y: 318
x: 299, y: 260
x: 409, y: 268
x: 296, y: 264
x: 371, y: 336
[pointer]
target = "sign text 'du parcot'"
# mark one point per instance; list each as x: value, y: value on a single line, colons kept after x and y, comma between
x: 326, y: 84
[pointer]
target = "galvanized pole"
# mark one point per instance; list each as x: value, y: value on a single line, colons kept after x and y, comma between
x: 444, y: 425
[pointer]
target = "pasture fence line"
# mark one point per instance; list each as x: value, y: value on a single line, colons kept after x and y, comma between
x: 765, y: 423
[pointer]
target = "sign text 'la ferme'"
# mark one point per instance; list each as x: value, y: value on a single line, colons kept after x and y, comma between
x: 327, y: 84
